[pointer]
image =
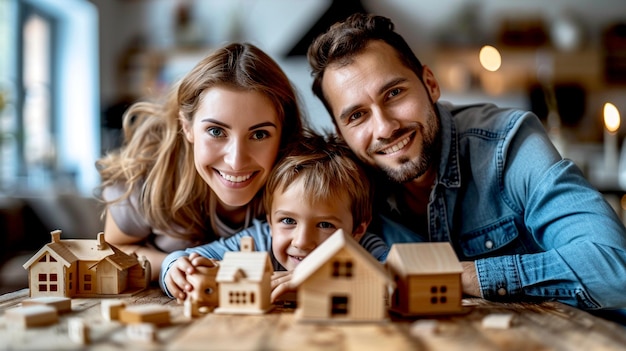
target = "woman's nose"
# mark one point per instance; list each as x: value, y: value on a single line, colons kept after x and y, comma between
x: 236, y: 154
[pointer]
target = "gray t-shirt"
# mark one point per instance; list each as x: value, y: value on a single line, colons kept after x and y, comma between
x: 131, y: 221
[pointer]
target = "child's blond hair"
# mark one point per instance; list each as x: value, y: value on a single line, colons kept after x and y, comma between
x: 328, y: 169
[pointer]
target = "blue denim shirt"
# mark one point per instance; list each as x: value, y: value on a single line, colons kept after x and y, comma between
x: 504, y: 198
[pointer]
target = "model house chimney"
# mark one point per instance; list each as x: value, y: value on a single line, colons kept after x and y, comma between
x: 102, y: 244
x: 56, y: 236
x: 247, y: 244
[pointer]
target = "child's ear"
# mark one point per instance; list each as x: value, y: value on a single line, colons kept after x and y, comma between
x: 359, y: 231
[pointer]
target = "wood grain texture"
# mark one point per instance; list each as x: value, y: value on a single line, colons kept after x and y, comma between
x: 543, y: 326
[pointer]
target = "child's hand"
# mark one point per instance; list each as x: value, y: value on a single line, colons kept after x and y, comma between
x: 281, y: 284
x: 200, y: 261
x: 176, y: 277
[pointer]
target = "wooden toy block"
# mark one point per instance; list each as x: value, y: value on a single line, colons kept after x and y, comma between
x: 150, y: 313
x: 78, y: 330
x: 110, y: 309
x: 85, y: 268
x: 144, y: 332
x: 424, y: 327
x: 61, y: 304
x: 498, y: 321
x: 32, y: 316
x: 340, y: 281
x: 191, y: 308
x: 427, y: 277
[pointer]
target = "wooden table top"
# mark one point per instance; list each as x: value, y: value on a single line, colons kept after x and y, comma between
x: 545, y: 326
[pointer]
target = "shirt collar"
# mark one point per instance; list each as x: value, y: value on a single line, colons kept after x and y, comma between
x: 449, y: 174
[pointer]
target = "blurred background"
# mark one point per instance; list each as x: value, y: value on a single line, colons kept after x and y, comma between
x: 69, y: 68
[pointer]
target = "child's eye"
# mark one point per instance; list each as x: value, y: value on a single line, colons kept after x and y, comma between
x: 326, y: 225
x: 260, y: 135
x: 216, y: 132
x: 288, y: 221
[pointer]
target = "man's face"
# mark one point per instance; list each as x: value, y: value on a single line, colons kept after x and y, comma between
x: 384, y: 111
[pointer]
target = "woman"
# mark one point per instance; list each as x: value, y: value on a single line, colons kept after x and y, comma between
x: 193, y: 169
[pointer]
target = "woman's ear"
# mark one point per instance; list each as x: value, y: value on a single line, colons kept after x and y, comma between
x: 187, y: 128
x: 359, y: 231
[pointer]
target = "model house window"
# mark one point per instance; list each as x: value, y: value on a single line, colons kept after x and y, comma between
x: 47, y: 282
x: 339, y: 305
x: 438, y: 294
x: 342, y: 269
x: 240, y: 297
x: 87, y: 278
x: 396, y: 279
x: 52, y: 259
x: 43, y: 259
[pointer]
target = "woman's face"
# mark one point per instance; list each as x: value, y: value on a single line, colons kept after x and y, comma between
x: 236, y: 137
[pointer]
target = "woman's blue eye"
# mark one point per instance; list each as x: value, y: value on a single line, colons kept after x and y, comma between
x: 215, y: 132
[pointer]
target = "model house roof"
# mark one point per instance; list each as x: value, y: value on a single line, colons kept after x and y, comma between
x: 249, y: 265
x: 328, y: 249
x: 424, y: 258
x: 71, y: 250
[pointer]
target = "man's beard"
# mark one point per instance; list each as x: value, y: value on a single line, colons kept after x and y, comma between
x: 410, y: 169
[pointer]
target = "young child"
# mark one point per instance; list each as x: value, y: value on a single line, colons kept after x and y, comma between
x: 314, y: 190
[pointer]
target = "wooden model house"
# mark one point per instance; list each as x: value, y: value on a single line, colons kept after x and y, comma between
x: 341, y: 281
x: 244, y: 279
x: 206, y: 290
x: 427, y: 277
x: 82, y: 268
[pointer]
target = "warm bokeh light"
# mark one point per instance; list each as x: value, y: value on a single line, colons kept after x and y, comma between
x: 490, y: 58
x: 611, y: 117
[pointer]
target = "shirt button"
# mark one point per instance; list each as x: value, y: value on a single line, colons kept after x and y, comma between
x: 502, y: 291
x: 489, y: 244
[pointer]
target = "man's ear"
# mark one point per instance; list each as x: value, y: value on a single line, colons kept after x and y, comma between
x: 187, y: 128
x: 431, y: 84
x: 359, y: 231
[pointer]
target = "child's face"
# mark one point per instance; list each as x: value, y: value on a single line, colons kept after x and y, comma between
x: 298, y: 226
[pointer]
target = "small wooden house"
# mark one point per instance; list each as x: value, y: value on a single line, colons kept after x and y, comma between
x: 341, y: 281
x: 204, y: 281
x: 427, y: 277
x: 244, y: 279
x: 83, y: 268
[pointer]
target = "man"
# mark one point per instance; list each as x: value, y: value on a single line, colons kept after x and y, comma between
x: 524, y: 222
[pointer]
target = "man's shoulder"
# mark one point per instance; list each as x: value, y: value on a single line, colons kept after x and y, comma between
x: 486, y: 116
